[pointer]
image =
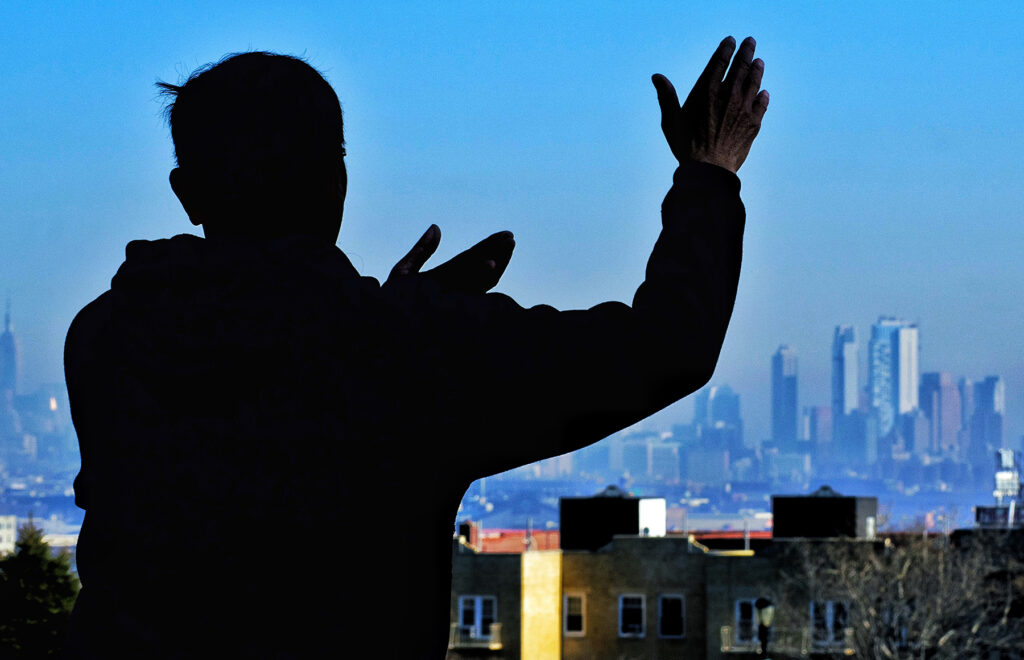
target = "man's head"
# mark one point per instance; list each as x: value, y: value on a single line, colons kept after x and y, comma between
x: 259, y: 144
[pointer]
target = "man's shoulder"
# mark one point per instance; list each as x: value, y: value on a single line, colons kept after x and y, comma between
x: 86, y: 344
x: 90, y: 321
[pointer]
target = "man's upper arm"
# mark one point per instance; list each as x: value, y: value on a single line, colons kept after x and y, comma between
x: 516, y: 385
x: 84, y: 371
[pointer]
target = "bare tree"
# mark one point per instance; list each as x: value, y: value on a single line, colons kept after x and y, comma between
x: 909, y: 596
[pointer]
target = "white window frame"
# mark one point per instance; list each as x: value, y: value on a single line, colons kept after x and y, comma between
x: 753, y: 621
x: 834, y: 636
x: 643, y: 616
x: 682, y: 599
x: 476, y: 629
x: 583, y: 614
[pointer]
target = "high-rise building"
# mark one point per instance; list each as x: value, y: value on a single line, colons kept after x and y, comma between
x: 990, y: 395
x: 986, y: 430
x: 844, y: 371
x: 893, y: 371
x: 966, y: 387
x: 914, y: 434
x: 724, y: 406
x: 846, y: 391
x: 940, y: 401
x: 12, y: 437
x: 8, y: 356
x: 816, y: 428
x: 784, y: 398
x: 717, y: 403
x: 717, y: 420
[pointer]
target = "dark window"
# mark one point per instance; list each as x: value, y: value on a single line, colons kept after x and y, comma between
x: 829, y: 620
x: 476, y: 614
x: 631, y: 616
x: 468, y: 612
x: 671, y: 616
x: 840, y: 619
x: 820, y: 622
x: 744, y: 621
x: 574, y: 614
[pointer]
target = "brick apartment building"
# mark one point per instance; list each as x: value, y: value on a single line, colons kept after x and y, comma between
x: 621, y: 587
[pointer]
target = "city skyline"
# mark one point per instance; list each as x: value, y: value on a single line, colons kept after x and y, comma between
x: 711, y: 453
x: 872, y: 189
x: 793, y: 418
x: 924, y: 413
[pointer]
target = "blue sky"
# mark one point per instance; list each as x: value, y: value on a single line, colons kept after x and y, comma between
x: 886, y: 179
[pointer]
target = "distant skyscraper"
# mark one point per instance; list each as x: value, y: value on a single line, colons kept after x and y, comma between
x: 893, y: 370
x: 966, y: 387
x: 846, y: 391
x: 940, y: 402
x: 700, y: 407
x: 990, y: 395
x: 784, y: 398
x: 986, y: 430
x: 844, y: 371
x: 817, y: 430
x: 716, y: 415
x: 8, y: 356
x: 914, y: 434
x: 717, y: 403
x: 724, y: 406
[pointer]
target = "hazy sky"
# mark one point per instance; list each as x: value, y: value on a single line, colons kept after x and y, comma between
x: 886, y: 179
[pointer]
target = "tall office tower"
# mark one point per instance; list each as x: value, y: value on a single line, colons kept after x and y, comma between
x: 990, y: 395
x: 784, y: 399
x: 717, y: 414
x: 11, y: 435
x: 966, y: 387
x: 914, y: 434
x: 893, y: 370
x: 717, y: 404
x: 724, y: 406
x: 816, y: 428
x: 845, y: 388
x: 940, y: 402
x: 8, y: 357
x: 987, y: 421
x: 700, y: 406
x: 717, y: 435
x: 844, y: 370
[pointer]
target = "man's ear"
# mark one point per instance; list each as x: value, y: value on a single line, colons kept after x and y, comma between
x: 186, y: 193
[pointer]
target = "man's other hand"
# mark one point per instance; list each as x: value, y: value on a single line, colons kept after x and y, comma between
x: 476, y: 270
x: 720, y: 118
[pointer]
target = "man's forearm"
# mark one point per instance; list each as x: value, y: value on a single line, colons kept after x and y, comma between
x: 693, y: 271
x: 686, y: 301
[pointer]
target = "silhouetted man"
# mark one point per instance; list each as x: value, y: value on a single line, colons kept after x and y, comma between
x: 254, y: 416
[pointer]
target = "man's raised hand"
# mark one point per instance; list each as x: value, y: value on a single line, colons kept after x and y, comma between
x: 720, y: 118
x: 476, y: 270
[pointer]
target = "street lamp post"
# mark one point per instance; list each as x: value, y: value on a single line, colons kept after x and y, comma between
x: 765, y: 613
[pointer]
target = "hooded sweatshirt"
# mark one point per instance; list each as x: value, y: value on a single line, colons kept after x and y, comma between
x: 254, y: 416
